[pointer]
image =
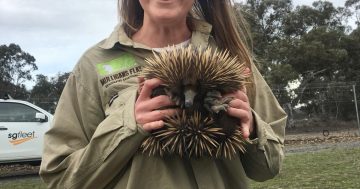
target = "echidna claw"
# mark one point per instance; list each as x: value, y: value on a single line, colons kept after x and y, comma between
x: 218, y: 108
x: 215, y: 103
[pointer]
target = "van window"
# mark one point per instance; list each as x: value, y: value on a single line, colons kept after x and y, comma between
x: 15, y: 112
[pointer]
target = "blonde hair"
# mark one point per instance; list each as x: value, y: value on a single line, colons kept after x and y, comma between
x: 230, y: 29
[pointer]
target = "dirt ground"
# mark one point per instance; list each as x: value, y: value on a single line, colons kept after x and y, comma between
x: 308, y: 140
x: 298, y: 140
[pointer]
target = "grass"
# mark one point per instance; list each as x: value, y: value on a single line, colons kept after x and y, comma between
x: 336, y: 169
x: 25, y: 183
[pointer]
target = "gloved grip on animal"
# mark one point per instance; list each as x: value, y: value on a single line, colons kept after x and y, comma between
x: 196, y: 80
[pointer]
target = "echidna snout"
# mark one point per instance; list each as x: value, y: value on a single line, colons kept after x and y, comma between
x: 190, y: 89
x: 189, y: 93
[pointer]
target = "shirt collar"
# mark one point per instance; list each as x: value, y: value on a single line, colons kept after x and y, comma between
x: 200, y: 36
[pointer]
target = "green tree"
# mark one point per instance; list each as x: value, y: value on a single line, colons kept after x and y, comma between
x: 351, y: 70
x: 46, y: 92
x: 313, y: 45
x: 354, y: 8
x: 267, y: 19
x: 43, y: 88
x: 15, y: 64
x: 58, y: 82
x: 320, y: 54
x: 15, y: 68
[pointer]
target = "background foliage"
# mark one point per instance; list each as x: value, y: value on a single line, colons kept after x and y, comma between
x: 309, y: 55
x: 16, y: 67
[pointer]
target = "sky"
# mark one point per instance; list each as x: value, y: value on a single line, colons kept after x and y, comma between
x: 57, y: 33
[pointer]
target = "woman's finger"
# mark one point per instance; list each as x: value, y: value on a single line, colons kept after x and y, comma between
x: 243, y: 115
x: 155, y: 115
x: 153, y: 125
x: 245, y: 119
x: 157, y: 103
x: 239, y: 95
x: 245, y: 129
x: 147, y: 88
x: 242, y: 95
x: 239, y: 104
x: 247, y: 71
x: 161, y: 114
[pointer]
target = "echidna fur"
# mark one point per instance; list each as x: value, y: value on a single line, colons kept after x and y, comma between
x: 201, y: 127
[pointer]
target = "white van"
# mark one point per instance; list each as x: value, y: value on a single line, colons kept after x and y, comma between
x: 22, y: 127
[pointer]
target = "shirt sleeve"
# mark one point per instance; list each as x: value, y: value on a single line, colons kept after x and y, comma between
x: 263, y: 158
x: 84, y: 148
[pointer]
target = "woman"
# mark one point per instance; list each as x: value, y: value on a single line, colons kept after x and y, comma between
x: 101, y: 120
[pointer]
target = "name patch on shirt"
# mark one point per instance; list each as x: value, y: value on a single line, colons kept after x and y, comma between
x: 118, y: 70
x: 124, y: 62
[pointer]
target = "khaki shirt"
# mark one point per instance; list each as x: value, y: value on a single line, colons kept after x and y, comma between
x: 94, y: 140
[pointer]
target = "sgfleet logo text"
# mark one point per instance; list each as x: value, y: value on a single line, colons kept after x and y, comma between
x: 21, y: 137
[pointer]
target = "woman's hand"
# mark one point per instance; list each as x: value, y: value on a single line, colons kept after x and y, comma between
x: 240, y: 108
x: 147, y: 111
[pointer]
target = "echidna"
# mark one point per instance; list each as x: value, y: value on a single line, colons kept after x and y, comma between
x: 195, y: 79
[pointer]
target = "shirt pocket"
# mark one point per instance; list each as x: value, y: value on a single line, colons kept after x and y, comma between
x: 123, y: 100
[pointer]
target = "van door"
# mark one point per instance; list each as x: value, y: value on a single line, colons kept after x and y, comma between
x: 20, y: 132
